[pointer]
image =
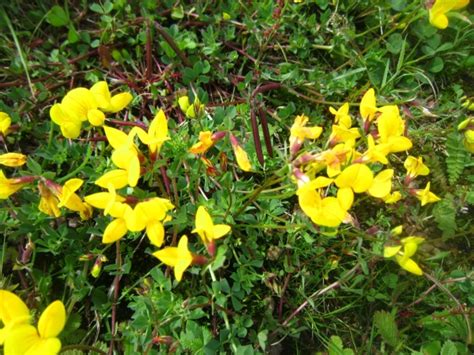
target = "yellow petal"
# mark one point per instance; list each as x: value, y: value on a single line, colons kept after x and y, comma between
x: 183, y: 103
x: 168, y: 255
x: 21, y: 339
x: 118, y: 178
x: 12, y: 159
x: 345, y: 196
x: 220, y: 230
x: 5, y: 122
x: 114, y: 231
x: 390, y: 251
x: 101, y: 93
x: 368, y: 105
x: 242, y: 158
x: 12, y: 310
x: 101, y: 199
x: 133, y: 171
x: 156, y: 233
x: 52, y: 320
x: 357, y: 176
x: 382, y: 184
x: 71, y: 130
x: 409, y: 265
x: 95, y: 117
x: 119, y: 102
x: 116, y: 137
x: 78, y: 102
x: 50, y: 346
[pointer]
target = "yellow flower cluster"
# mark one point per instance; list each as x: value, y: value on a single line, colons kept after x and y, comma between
x: 18, y: 336
x: 350, y: 161
x: 403, y: 252
x: 82, y: 104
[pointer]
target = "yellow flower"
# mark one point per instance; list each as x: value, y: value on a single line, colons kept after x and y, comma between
x: 343, y: 134
x: 439, y: 9
x: 392, y: 197
x: 207, y: 230
x: 105, y: 101
x: 382, y: 184
x: 240, y: 155
x: 467, y: 126
x: 404, y: 252
x: 415, y: 167
x: 5, y: 122
x: 124, y: 156
x: 12, y: 159
x: 299, y: 132
x: 375, y: 152
x: 10, y: 186
x: 157, y: 133
x: 391, y: 128
x: 13, y: 312
x: 179, y: 258
x: 342, y: 116
x: 322, y: 211
x: 334, y: 158
x: 426, y: 196
x: 356, y: 176
x: 19, y: 337
x: 205, y: 142
x: 368, y: 106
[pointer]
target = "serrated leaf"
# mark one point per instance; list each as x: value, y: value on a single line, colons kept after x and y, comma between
x: 336, y: 347
x: 387, y: 327
x: 449, y: 348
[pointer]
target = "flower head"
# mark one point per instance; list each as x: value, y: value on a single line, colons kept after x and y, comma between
x: 426, y: 196
x: 368, y: 106
x: 240, y: 155
x: 404, y: 252
x: 12, y: 159
x: 179, y: 258
x: 440, y: 8
x: 207, y: 230
x: 415, y: 167
x: 341, y: 116
x: 105, y: 101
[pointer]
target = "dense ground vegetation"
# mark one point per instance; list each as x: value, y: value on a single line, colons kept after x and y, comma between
x: 237, y: 176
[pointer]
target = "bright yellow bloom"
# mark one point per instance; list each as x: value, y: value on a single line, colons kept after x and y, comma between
x: 149, y: 215
x: 375, y: 152
x: 124, y: 156
x: 206, y: 229
x: 13, y: 312
x: 12, y: 159
x: 105, y: 101
x: 5, y: 122
x: 356, y: 176
x: 404, y: 252
x: 19, y: 337
x: 392, y: 197
x: 299, y: 132
x: 334, y: 158
x: 190, y: 110
x: 342, y: 116
x: 54, y: 196
x: 157, y: 133
x: 467, y: 127
x: 205, y: 142
x: 10, y: 186
x: 382, y: 184
x: 343, y: 134
x: 179, y: 258
x: 240, y: 155
x: 391, y: 128
x: 439, y: 9
x: 322, y: 211
x: 415, y: 167
x: 426, y: 196
x: 368, y: 106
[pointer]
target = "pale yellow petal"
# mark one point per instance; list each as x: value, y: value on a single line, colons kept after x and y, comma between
x: 114, y: 231
x: 52, y: 320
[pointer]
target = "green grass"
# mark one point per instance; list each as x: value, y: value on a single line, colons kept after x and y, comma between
x: 278, y: 283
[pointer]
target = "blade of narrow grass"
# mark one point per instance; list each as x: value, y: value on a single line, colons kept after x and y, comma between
x: 20, y: 52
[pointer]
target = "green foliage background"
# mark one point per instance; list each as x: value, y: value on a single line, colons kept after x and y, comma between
x: 321, y: 53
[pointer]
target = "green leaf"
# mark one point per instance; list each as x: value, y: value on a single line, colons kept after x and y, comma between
x: 444, y: 213
x: 57, y: 16
x: 336, y: 347
x: 387, y: 327
x: 395, y: 43
x: 456, y: 157
x: 72, y: 35
x: 436, y: 65
x: 449, y: 348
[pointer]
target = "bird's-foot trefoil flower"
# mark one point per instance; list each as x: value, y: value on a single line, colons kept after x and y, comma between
x: 240, y: 155
x: 107, y: 102
x: 207, y: 230
x: 9, y: 186
x: 299, y: 132
x: 191, y: 110
x: 12, y: 159
x: 368, y: 108
x: 20, y: 337
x: 179, y: 258
x: 440, y: 8
x: 415, y: 167
x: 404, y: 252
x: 425, y: 195
x: 341, y: 116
